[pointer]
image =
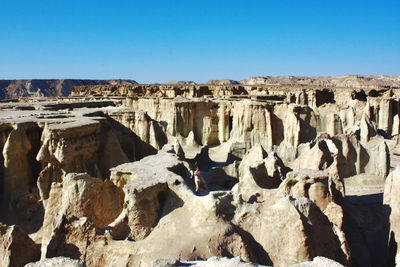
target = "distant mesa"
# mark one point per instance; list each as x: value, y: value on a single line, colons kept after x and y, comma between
x: 222, y: 82
x: 49, y: 87
x: 345, y: 81
x: 12, y: 89
x: 182, y: 82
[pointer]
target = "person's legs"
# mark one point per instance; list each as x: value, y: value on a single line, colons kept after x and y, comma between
x: 197, y: 185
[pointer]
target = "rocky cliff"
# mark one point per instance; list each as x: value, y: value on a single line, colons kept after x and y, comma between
x: 54, y: 87
x: 294, y: 174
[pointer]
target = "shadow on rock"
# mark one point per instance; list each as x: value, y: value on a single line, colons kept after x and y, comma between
x: 366, y: 225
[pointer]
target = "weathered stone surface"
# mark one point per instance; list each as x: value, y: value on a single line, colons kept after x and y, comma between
x: 57, y: 262
x: 318, y: 262
x: 146, y: 190
x: 233, y: 262
x: 354, y: 81
x: 217, y: 262
x: 378, y: 159
x: 19, y: 164
x: 222, y: 82
x: 79, y: 201
x: 40, y: 88
x: 319, y: 157
x: 107, y: 212
x: 76, y: 147
x: 267, y: 225
x: 392, y: 198
x: 16, y: 248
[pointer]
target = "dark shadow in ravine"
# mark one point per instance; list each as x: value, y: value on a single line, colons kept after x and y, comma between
x: 210, y: 169
x: 133, y: 147
x: 168, y: 201
x: 257, y: 252
x: 321, y: 237
x: 366, y: 225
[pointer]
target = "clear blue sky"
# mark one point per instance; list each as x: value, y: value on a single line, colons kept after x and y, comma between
x: 160, y: 41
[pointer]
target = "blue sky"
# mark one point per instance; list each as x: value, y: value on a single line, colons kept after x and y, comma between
x: 160, y: 41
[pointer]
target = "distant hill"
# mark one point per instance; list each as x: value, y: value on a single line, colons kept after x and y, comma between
x: 351, y: 81
x: 222, y: 82
x: 51, y: 87
x: 181, y: 82
x: 62, y: 87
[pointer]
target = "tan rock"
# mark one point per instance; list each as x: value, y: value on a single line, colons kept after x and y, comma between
x: 374, y: 158
x: 257, y: 153
x: 19, y: 165
x: 318, y: 262
x: 319, y: 157
x: 392, y: 198
x: 149, y: 204
x: 77, y: 147
x: 267, y: 225
x: 367, y: 129
x: 78, y: 200
x: 16, y: 248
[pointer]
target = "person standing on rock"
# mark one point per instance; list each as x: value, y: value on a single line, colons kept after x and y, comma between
x: 198, y: 179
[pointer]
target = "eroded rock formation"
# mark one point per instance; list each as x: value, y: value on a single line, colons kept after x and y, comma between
x: 105, y: 176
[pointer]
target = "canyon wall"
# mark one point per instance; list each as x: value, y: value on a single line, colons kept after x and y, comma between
x: 104, y: 176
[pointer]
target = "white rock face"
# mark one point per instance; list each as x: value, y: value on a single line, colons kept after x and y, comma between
x: 57, y: 262
x: 392, y: 198
x: 318, y: 262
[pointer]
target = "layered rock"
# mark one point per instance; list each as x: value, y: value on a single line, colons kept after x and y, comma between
x: 76, y: 147
x: 74, y: 209
x: 353, y: 81
x: 40, y: 88
x: 40, y: 148
x: 110, y: 184
x: 222, y: 82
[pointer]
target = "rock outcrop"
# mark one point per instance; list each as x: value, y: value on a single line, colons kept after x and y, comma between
x: 222, y: 82
x: 57, y: 262
x: 105, y: 176
x: 42, y: 88
x: 354, y: 81
x: 16, y: 249
x: 392, y: 199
